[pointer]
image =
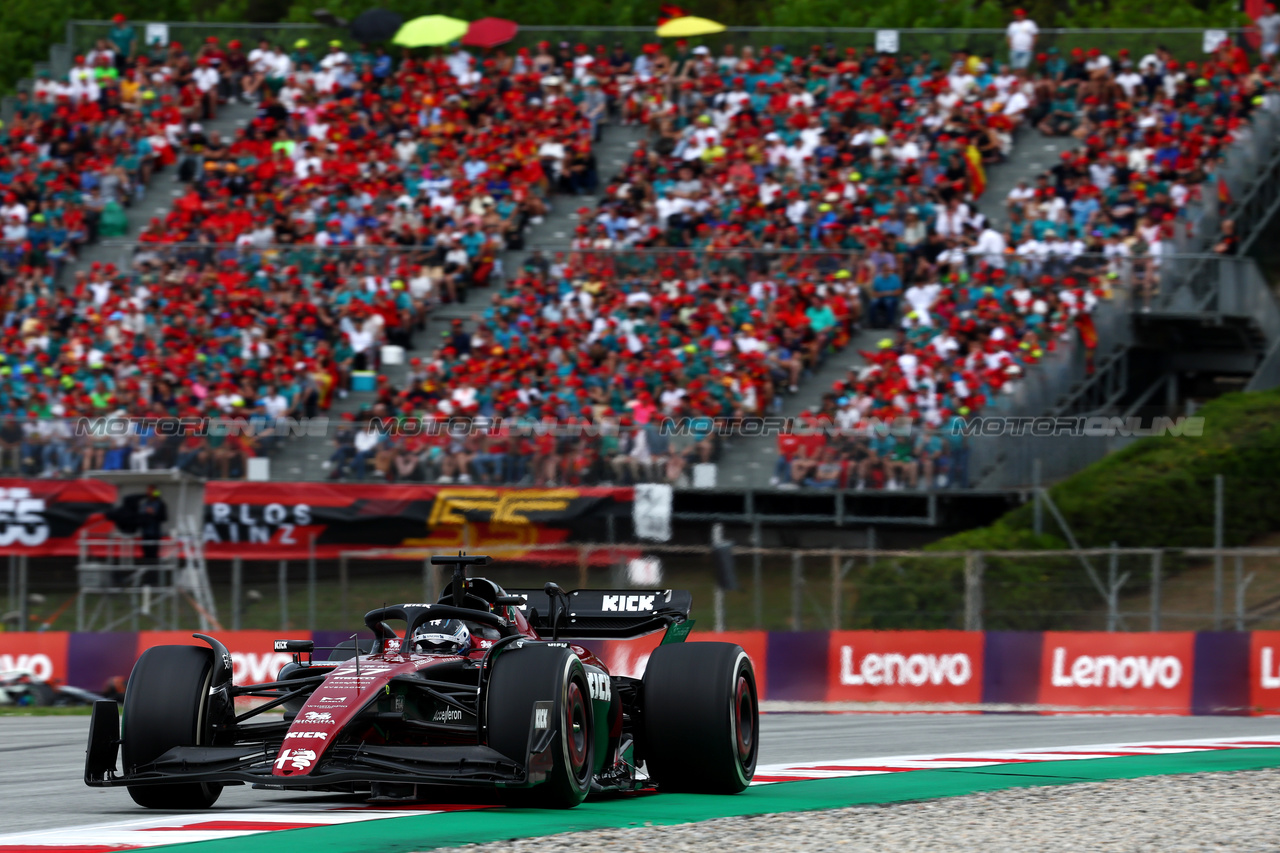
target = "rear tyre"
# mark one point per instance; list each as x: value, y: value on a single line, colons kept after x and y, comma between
x: 166, y: 705
x: 536, y: 673
x: 701, y: 718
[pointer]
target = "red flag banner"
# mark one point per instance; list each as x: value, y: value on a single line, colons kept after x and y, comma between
x: 45, y: 518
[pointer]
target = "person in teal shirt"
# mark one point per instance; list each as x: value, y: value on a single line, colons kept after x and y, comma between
x: 125, y: 39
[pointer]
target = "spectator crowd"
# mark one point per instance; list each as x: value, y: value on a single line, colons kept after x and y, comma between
x: 779, y: 204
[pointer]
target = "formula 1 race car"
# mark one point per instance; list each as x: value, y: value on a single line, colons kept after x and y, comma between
x: 489, y: 688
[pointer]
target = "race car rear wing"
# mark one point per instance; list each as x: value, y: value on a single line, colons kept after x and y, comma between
x: 604, y: 613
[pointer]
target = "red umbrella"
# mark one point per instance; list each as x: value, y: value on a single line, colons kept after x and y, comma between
x: 490, y: 32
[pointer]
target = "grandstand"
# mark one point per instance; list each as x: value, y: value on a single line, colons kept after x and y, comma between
x: 608, y: 231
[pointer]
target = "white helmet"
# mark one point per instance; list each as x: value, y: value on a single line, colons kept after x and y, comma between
x: 442, y: 637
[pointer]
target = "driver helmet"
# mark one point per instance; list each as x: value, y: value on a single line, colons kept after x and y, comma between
x: 442, y: 637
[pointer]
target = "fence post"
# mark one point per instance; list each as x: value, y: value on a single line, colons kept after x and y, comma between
x: 282, y: 582
x: 973, y: 571
x: 1155, y: 590
x: 757, y: 576
x: 797, y: 582
x: 836, y: 588
x: 237, y: 581
x: 24, y: 595
x: 1242, y: 583
x: 1037, y: 508
x: 13, y: 586
x: 583, y: 563
x: 1217, y: 550
x: 342, y: 585
x: 311, y: 583
x: 871, y: 547
x: 1113, y: 596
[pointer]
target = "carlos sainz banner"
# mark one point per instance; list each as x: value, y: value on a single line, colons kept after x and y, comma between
x: 285, y: 520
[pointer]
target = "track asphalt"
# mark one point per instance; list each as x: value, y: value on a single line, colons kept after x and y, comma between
x: 41, y: 762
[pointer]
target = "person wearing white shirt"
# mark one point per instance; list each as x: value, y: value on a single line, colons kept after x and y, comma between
x: 1017, y: 105
x: 205, y: 77
x: 1268, y: 25
x: 950, y: 221
x: 1020, y: 194
x: 989, y: 248
x: 335, y: 58
x: 922, y: 296
x: 1129, y: 80
x: 459, y: 63
x: 9, y: 211
x: 1021, y: 36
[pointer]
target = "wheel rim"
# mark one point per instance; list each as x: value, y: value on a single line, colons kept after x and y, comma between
x: 576, y: 734
x: 745, y: 720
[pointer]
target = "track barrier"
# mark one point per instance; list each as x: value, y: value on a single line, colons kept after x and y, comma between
x: 1174, y: 672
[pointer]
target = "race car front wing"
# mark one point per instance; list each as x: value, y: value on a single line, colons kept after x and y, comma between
x: 342, y: 765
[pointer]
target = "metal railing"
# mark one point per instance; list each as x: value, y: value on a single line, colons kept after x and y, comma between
x: 1187, y: 42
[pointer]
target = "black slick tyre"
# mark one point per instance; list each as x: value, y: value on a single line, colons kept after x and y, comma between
x: 701, y: 718
x: 166, y: 705
x: 537, y: 673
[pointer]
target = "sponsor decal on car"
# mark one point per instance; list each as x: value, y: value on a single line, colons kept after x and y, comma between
x: 447, y: 715
x: 334, y: 700
x: 599, y: 686
x: 317, y: 717
x: 295, y: 759
x: 541, y: 715
x: 363, y: 669
x: 627, y: 603
x: 317, y: 735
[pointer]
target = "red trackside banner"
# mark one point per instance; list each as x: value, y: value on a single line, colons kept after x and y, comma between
x: 1140, y: 672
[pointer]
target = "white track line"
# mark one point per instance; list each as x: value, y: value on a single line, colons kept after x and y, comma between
x: 210, y: 825
x: 837, y: 768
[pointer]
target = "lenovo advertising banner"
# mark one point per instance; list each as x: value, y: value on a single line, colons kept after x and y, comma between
x: 1140, y: 672
x: 905, y: 666
x: 1164, y: 673
x: 45, y: 518
x: 283, y: 520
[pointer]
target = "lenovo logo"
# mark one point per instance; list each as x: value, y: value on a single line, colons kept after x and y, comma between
x: 915, y: 670
x: 627, y: 603
x: 1270, y: 673
x: 1145, y: 671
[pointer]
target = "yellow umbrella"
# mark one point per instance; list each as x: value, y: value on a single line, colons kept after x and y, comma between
x: 689, y: 25
x: 430, y: 31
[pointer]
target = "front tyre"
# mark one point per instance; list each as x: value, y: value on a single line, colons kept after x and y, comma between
x: 701, y: 718
x: 166, y: 704
x: 536, y: 673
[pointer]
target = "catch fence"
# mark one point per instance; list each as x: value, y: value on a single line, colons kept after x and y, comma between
x: 742, y: 586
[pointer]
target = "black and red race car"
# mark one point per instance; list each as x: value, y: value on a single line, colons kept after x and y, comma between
x: 519, y: 703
